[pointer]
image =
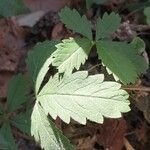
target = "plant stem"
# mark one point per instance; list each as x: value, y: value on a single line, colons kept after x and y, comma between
x: 22, y: 135
x: 93, y: 67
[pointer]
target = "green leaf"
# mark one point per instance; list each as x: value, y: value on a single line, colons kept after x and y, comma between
x: 73, y: 21
x: 147, y: 14
x: 23, y: 122
x: 82, y: 97
x: 45, y: 132
x: 107, y: 25
x: 122, y: 59
x: 8, y: 139
x: 71, y: 54
x: 38, y: 62
x: 3, y: 143
x: 138, y: 44
x: 12, y: 7
x: 16, y: 93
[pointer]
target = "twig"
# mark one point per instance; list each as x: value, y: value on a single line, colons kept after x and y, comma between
x: 131, y: 13
x: 143, y: 33
x: 93, y: 67
x: 143, y: 89
x: 22, y: 135
x: 140, y: 27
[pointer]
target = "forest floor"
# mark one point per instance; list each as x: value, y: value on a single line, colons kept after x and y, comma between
x: 18, y: 34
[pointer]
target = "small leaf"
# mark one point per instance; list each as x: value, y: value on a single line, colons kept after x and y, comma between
x: 23, y: 122
x: 38, y: 62
x: 122, y: 59
x: 138, y: 44
x: 45, y: 132
x: 107, y: 25
x: 16, y: 93
x: 71, y: 54
x: 12, y: 7
x: 81, y: 97
x: 9, y: 142
x: 147, y: 14
x: 73, y: 21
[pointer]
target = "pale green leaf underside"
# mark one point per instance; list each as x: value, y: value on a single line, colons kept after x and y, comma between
x: 38, y: 62
x: 12, y: 7
x: 73, y: 21
x: 16, y: 93
x: 70, y: 54
x: 45, y: 132
x: 8, y: 139
x: 82, y: 97
x: 147, y: 14
x: 122, y: 59
x: 107, y: 25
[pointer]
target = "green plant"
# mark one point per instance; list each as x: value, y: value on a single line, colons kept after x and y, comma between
x: 10, y: 115
x: 88, y: 97
x: 74, y: 94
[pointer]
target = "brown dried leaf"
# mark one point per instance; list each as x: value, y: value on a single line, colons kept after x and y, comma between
x: 11, y: 45
x: 143, y: 103
x: 86, y: 143
x: 58, y: 32
x: 46, y: 5
x: 4, y: 78
x: 111, y: 134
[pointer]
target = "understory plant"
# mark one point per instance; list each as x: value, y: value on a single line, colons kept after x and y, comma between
x: 70, y: 93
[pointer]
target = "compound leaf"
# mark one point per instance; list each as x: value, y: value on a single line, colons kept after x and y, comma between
x: 71, y: 54
x: 38, y: 62
x: 16, y: 93
x: 7, y: 137
x: 45, y: 132
x: 73, y: 21
x: 82, y: 97
x: 23, y: 122
x: 147, y: 14
x: 12, y: 7
x: 107, y: 25
x: 122, y: 59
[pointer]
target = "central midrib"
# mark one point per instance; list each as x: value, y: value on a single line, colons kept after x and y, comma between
x: 79, y: 95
